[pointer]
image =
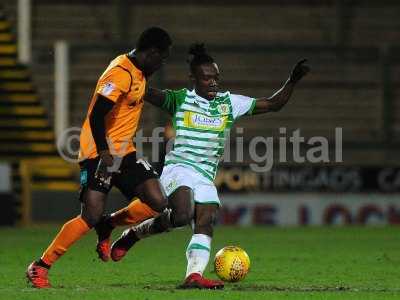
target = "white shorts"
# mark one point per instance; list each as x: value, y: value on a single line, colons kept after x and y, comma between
x: 204, y: 190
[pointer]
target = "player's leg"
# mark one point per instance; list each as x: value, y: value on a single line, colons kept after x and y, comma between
x: 139, y: 183
x: 92, y: 197
x: 93, y: 203
x: 198, y: 250
x: 135, y: 212
x: 179, y: 214
x: 136, y: 179
x: 138, y: 210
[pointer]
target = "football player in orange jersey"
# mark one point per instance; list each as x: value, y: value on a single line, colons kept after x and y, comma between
x: 107, y: 153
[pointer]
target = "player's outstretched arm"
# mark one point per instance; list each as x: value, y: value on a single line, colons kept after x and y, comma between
x: 155, y: 96
x: 282, y: 96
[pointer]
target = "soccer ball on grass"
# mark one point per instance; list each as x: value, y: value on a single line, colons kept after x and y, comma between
x: 231, y: 263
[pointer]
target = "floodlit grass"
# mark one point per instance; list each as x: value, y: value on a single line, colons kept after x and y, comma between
x: 292, y: 263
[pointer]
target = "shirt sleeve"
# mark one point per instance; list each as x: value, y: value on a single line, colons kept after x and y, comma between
x: 242, y: 105
x: 173, y: 100
x: 114, y: 83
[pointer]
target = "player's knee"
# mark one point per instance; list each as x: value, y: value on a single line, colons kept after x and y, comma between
x: 158, y: 203
x: 91, y: 219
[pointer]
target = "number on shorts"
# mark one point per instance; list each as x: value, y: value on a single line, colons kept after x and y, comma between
x: 145, y: 163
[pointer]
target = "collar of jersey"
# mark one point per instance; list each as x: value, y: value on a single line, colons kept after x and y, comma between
x: 133, y: 69
x: 203, y: 100
x: 199, y: 98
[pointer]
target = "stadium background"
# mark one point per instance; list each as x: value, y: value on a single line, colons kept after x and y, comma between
x: 352, y: 47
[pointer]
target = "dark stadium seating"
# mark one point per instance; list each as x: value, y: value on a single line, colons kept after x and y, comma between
x: 352, y: 47
x: 255, y: 52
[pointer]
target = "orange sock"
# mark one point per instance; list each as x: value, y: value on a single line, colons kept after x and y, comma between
x: 134, y: 213
x: 72, y: 231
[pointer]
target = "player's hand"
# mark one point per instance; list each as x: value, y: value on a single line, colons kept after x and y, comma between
x: 106, y: 157
x: 102, y: 174
x: 299, y: 71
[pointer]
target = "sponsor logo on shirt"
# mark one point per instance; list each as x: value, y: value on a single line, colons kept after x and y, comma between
x: 196, y: 120
x: 107, y: 89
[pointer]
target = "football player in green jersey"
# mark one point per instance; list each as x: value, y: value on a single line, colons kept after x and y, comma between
x: 201, y: 118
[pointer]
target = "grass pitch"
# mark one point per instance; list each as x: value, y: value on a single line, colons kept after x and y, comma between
x: 292, y: 263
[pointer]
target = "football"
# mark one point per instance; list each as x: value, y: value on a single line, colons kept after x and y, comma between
x: 231, y: 263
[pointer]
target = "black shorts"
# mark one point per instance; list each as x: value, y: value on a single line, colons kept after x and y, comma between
x: 130, y: 174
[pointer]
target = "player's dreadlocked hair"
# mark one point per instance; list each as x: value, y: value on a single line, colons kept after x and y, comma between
x: 153, y: 37
x: 197, y: 56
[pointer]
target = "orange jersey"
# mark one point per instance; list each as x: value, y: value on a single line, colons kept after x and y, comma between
x: 124, y: 84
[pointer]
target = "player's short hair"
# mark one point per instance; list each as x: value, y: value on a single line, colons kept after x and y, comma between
x: 197, y: 56
x: 153, y: 37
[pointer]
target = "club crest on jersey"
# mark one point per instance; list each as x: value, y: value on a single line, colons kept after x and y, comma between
x: 223, y: 109
x: 197, y: 120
